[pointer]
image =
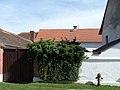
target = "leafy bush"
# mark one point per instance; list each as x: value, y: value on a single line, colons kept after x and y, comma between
x: 57, y: 61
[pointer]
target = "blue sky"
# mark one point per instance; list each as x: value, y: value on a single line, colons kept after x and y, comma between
x: 25, y: 15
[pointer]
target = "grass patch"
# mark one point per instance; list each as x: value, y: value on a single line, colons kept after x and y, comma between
x: 51, y: 86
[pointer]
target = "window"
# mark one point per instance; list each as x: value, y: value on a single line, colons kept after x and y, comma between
x: 106, y: 39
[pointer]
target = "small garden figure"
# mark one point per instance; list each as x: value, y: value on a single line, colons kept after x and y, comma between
x: 99, y: 78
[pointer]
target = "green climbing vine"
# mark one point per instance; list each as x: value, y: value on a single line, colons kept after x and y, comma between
x: 57, y: 61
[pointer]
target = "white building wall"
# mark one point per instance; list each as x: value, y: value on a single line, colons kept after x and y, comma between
x: 109, y: 69
x: 90, y: 46
x: 107, y: 63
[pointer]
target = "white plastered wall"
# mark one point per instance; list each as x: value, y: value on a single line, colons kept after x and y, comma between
x: 109, y: 69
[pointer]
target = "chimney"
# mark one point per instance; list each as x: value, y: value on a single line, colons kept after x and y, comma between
x: 74, y: 28
x: 32, y: 36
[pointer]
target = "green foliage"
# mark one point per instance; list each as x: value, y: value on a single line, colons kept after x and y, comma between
x: 52, y: 86
x: 57, y: 61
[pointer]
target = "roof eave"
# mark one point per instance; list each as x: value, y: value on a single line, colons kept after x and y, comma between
x: 105, y: 47
x: 101, y: 28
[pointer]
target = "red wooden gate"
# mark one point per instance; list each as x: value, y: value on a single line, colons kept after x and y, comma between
x: 16, y: 66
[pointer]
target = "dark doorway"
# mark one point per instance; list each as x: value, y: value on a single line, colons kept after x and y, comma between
x: 16, y: 66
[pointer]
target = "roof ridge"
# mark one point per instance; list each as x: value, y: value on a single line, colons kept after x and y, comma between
x: 15, y: 35
x: 83, y: 35
x: 7, y: 31
x: 23, y: 33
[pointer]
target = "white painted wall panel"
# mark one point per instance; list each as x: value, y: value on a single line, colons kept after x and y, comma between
x: 1, y: 77
x: 90, y: 46
x: 109, y: 69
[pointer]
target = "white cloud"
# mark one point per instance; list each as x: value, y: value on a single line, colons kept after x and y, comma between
x: 84, y: 19
x: 25, y: 15
x: 92, y: 1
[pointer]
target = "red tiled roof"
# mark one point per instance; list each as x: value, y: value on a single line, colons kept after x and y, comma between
x: 7, y: 38
x: 26, y: 35
x: 82, y: 35
x: 1, y: 44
